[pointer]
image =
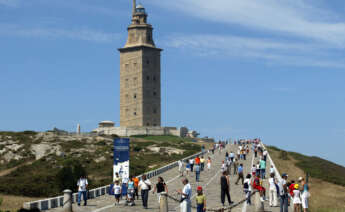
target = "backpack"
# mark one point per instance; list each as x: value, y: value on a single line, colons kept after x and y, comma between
x: 246, y: 186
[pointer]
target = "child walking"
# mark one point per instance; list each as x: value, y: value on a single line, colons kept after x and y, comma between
x: 117, y: 192
x: 200, y: 200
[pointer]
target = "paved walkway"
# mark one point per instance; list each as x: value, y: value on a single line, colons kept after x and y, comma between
x: 209, y: 180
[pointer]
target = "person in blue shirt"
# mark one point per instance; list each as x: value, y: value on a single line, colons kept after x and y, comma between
x: 240, y: 174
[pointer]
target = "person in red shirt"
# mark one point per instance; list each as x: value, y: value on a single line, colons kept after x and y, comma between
x: 261, y: 189
x: 292, y: 187
x: 197, y: 160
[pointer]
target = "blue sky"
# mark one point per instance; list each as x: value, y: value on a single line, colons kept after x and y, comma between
x: 273, y: 69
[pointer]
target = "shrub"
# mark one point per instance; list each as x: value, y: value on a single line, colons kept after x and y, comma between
x: 283, y: 155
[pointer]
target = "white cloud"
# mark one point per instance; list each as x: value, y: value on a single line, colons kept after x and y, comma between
x: 58, y: 33
x: 271, y: 51
x: 287, y: 17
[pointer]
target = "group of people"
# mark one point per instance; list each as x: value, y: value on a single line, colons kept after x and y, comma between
x: 196, y: 165
x: 297, y: 193
x: 278, y: 189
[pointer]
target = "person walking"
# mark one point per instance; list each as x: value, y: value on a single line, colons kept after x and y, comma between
x: 247, y: 187
x: 283, y: 190
x: 202, y: 163
x: 235, y: 166
x: 304, y: 193
x: 296, y: 198
x: 117, y: 192
x: 200, y: 200
x: 263, y: 169
x: 197, y: 172
x: 191, y: 162
x: 225, y: 188
x: 180, y: 167
x: 82, y: 189
x: 144, y: 187
x: 160, y: 187
x: 136, y: 187
x: 240, y: 174
x: 273, y: 191
x: 186, y: 194
x: 187, y: 168
x: 130, y: 191
x: 209, y: 163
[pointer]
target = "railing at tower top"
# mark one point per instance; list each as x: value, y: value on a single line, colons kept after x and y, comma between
x: 58, y: 201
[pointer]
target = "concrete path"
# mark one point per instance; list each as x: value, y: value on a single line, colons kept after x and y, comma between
x: 209, y: 180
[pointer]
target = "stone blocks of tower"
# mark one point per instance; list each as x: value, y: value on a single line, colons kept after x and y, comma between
x: 140, y: 86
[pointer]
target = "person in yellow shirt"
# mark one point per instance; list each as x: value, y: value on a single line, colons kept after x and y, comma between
x: 200, y: 200
x: 202, y: 163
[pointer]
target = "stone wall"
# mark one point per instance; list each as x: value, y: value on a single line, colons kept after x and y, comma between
x: 130, y: 131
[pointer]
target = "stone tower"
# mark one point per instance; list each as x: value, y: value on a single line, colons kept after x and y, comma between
x: 140, y: 74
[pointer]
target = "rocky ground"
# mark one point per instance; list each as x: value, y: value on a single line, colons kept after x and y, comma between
x: 31, y: 162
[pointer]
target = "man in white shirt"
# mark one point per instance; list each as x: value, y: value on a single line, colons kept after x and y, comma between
x: 144, y: 187
x: 186, y: 194
x: 82, y: 189
x: 191, y: 162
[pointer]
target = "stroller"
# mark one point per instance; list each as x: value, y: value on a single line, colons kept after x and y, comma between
x: 130, y: 197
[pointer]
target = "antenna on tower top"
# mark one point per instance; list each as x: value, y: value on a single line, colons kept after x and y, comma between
x: 134, y: 6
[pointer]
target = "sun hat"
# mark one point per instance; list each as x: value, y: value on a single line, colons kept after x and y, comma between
x: 199, y: 188
x: 296, y: 186
x: 300, y: 178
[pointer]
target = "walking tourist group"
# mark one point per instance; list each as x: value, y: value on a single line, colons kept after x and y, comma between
x: 281, y: 192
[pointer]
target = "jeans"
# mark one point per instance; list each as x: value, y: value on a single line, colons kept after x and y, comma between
x: 145, y: 197
x: 202, y: 166
x: 263, y: 173
x: 222, y: 195
x: 84, y: 197
x: 200, y: 208
x: 197, y: 176
x: 191, y: 167
x: 284, y: 204
x: 248, y: 193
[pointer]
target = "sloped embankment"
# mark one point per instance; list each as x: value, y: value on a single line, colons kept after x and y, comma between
x: 327, y: 181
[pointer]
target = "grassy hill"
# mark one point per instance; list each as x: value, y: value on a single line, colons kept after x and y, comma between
x: 327, y: 179
x: 37, y: 164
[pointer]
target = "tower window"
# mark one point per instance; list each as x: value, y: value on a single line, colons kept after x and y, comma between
x: 135, y: 96
x: 154, y: 78
x: 148, y: 77
x: 135, y: 113
x: 154, y: 93
x: 147, y: 62
x: 154, y: 111
x: 147, y: 124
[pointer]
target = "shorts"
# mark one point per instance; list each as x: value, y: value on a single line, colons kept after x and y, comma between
x: 117, y: 196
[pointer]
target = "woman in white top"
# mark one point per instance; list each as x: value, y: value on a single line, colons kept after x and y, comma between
x: 296, y: 199
x: 144, y: 187
x: 273, y: 191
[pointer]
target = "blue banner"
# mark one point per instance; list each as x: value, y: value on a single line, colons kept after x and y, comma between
x: 121, y: 150
x: 121, y: 161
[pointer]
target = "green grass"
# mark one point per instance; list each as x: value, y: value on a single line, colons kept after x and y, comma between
x: 317, y: 167
x: 39, y: 179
